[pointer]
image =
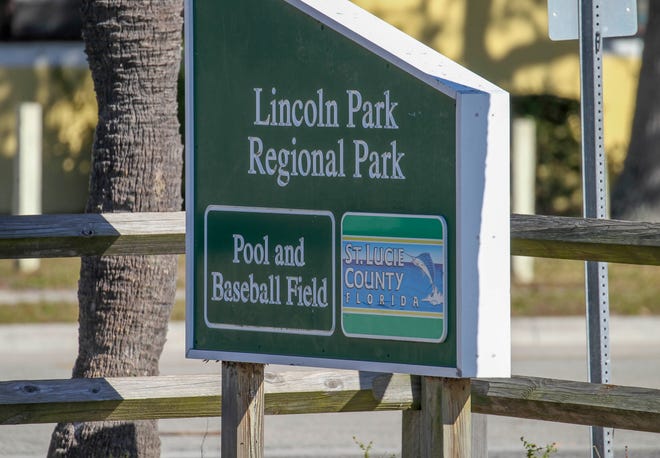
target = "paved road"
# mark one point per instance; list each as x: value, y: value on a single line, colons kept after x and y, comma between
x: 541, y: 347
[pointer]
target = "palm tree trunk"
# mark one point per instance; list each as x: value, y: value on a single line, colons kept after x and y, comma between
x: 134, y: 50
x: 636, y: 195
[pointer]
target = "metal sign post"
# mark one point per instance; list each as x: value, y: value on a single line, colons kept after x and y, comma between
x: 596, y: 19
x: 594, y: 191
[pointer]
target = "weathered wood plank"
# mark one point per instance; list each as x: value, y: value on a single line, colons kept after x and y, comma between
x: 588, y: 239
x: 410, y: 435
x: 445, y: 424
x: 339, y: 391
x: 164, y: 233
x: 50, y: 401
x: 456, y: 413
x: 243, y: 410
x: 569, y: 402
x: 411, y: 422
x: 479, y: 435
x: 50, y: 236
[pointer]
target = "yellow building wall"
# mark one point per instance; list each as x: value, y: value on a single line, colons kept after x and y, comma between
x: 506, y: 41
x: 69, y: 116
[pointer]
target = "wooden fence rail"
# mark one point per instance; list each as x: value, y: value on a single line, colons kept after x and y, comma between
x: 49, y: 401
x: 52, y: 236
x: 47, y: 236
x: 295, y: 392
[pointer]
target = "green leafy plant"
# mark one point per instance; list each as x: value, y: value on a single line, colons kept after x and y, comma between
x: 534, y: 451
x: 366, y: 449
x: 558, y: 176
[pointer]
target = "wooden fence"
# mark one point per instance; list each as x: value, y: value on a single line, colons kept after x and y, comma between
x: 49, y: 401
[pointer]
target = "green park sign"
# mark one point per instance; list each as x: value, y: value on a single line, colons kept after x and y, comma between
x: 347, y: 194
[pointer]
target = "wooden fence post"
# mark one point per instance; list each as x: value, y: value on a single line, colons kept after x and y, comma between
x: 442, y: 428
x: 410, y: 436
x: 242, y: 410
x: 479, y: 435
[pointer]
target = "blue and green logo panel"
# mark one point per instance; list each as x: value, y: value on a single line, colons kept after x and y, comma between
x: 393, y: 277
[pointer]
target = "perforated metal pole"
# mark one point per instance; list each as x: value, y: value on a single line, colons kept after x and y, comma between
x: 594, y: 175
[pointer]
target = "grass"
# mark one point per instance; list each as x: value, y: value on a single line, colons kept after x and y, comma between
x: 41, y: 312
x: 558, y: 289
x: 55, y: 273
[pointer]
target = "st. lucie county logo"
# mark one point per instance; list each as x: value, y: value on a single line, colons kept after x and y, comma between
x: 394, y: 277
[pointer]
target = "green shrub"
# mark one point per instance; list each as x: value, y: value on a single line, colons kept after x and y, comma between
x: 558, y: 172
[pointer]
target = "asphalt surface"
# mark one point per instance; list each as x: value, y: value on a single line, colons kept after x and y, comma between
x: 546, y: 347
